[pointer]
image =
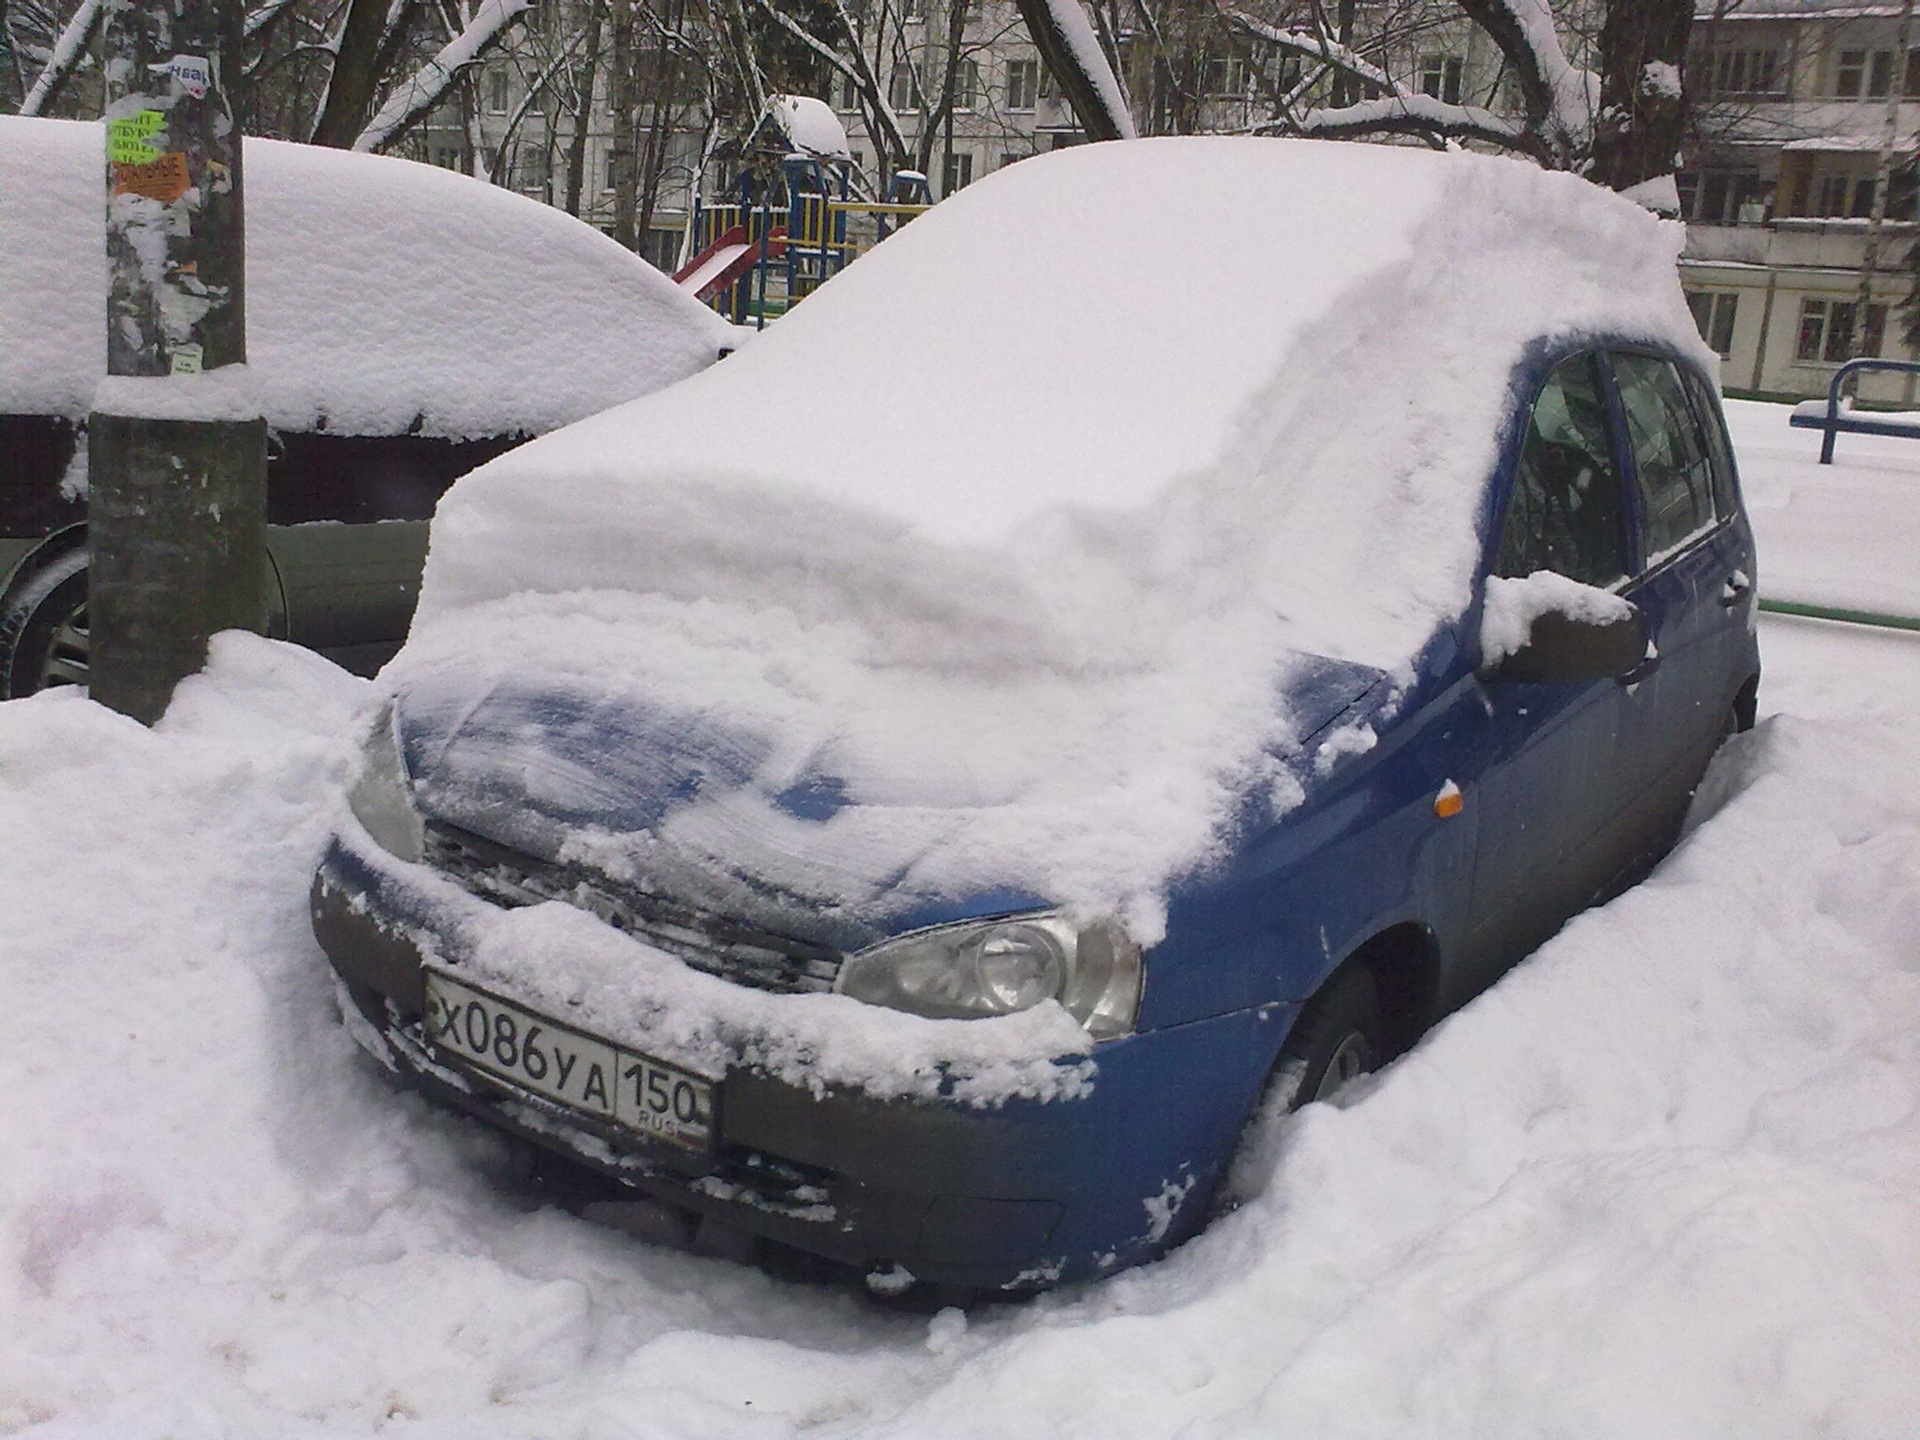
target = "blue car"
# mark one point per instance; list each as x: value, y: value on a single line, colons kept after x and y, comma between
x: 935, y: 865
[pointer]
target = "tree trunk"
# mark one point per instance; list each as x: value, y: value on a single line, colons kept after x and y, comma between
x: 350, y: 87
x: 1643, y: 106
x: 620, y: 157
x: 583, y: 117
x: 1072, y: 56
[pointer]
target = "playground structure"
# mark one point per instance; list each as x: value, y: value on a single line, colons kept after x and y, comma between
x: 786, y: 234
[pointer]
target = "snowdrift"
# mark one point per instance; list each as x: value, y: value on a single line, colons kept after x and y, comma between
x: 1659, y: 1181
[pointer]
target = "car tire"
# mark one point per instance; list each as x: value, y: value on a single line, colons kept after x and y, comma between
x: 43, y: 628
x: 1338, y: 1038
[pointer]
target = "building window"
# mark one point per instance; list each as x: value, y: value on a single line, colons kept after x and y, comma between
x: 1849, y: 74
x: 913, y: 9
x: 1013, y: 157
x: 1023, y: 84
x: 966, y: 85
x: 958, y: 172
x: 1225, y: 75
x: 1746, y: 72
x: 1723, y: 197
x: 1841, y: 196
x: 497, y: 92
x: 846, y: 92
x: 1713, y: 313
x: 531, y: 162
x: 1440, y: 77
x: 1826, y: 331
x: 904, y: 92
x: 1863, y: 74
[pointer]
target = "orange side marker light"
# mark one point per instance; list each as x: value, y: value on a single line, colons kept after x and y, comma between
x: 1449, y: 802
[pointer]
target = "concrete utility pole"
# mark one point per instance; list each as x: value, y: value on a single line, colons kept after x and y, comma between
x: 176, y: 446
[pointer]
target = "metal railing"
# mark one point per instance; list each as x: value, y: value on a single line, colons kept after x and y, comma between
x: 1833, y: 421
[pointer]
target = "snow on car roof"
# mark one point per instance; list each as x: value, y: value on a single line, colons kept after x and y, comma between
x: 1012, y: 527
x: 383, y: 296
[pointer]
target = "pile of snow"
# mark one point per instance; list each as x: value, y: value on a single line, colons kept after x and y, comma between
x: 383, y: 297
x: 810, y: 126
x: 1012, y: 528
x: 1659, y: 1181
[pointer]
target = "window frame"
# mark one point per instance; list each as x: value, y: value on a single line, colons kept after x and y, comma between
x: 1640, y: 537
x: 1023, y: 84
x: 1601, y: 373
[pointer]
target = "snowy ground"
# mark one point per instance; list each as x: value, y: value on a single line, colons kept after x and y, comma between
x: 1658, y: 1182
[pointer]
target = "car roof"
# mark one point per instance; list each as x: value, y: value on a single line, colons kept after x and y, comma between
x: 383, y: 297
x: 1128, y: 330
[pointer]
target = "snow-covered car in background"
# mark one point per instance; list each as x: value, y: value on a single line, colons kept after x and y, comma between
x: 404, y: 325
x: 910, y: 793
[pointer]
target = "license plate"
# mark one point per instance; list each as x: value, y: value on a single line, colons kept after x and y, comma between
x: 535, y: 1053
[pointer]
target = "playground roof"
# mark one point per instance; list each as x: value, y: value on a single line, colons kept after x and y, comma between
x: 382, y: 295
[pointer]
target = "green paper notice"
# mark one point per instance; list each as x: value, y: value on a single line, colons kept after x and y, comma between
x: 127, y: 137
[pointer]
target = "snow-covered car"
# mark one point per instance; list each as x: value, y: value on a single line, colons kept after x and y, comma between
x: 918, y: 792
x: 404, y: 325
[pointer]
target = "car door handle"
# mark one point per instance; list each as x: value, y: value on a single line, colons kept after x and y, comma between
x: 1736, y: 588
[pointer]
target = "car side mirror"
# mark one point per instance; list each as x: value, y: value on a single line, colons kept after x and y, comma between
x: 1548, y: 628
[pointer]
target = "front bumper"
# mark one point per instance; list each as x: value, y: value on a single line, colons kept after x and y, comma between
x: 1018, y: 1196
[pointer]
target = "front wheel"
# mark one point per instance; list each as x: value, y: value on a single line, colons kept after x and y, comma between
x: 1336, y: 1040
x: 43, y: 629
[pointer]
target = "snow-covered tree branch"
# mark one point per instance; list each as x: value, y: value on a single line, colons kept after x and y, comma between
x: 424, y: 89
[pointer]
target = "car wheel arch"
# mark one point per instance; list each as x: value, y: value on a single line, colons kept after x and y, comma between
x: 74, y: 537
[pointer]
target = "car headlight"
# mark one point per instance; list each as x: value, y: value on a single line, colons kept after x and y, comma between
x: 378, y: 798
x: 981, y: 968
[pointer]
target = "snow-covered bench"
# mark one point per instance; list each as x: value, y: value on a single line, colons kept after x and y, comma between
x: 1835, y: 414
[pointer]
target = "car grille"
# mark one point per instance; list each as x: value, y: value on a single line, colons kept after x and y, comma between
x: 712, y: 943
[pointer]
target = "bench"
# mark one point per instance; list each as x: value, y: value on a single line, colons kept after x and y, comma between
x: 1831, y: 416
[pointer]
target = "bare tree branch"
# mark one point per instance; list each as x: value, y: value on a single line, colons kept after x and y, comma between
x: 1315, y: 46
x: 1419, y: 115
x: 67, y: 51
x: 424, y: 89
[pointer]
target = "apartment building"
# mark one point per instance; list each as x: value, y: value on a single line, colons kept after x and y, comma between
x: 1802, y: 106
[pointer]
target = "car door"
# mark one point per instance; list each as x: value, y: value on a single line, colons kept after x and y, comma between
x: 1693, y: 585
x: 1549, y: 789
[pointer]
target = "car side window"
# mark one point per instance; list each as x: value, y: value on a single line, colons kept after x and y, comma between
x: 1671, y: 458
x: 1726, y: 490
x: 1565, y: 513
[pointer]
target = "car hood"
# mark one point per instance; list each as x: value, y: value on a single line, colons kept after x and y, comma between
x: 707, y: 809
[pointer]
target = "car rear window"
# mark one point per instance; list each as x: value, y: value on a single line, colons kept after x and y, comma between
x: 1672, y: 467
